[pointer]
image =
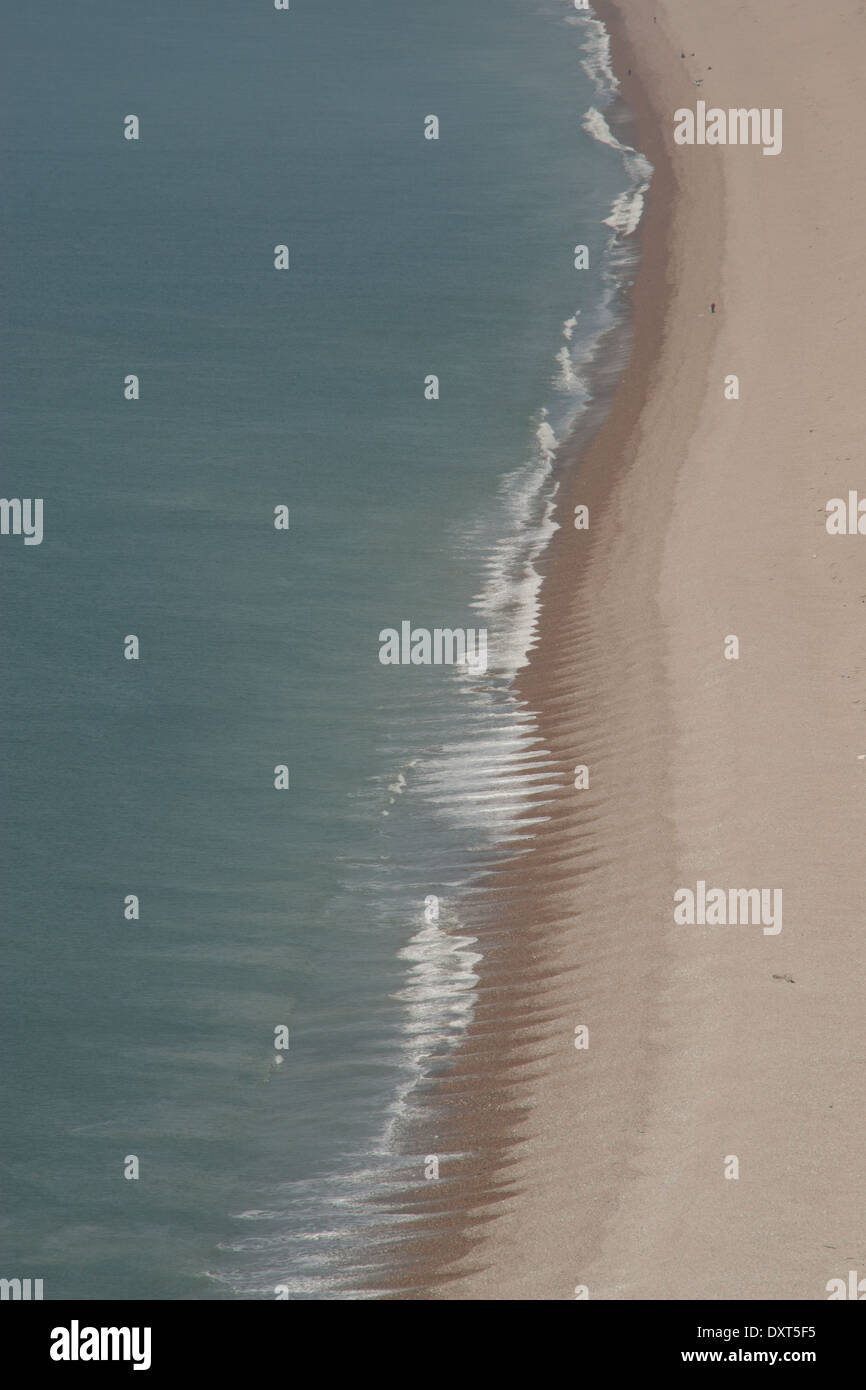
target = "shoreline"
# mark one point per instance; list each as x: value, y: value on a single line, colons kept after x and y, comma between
x: 602, y: 1169
x: 590, y: 463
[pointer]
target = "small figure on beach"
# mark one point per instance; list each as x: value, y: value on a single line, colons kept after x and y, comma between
x: 713, y: 308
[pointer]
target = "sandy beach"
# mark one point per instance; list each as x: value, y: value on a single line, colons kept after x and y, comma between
x: 604, y: 1168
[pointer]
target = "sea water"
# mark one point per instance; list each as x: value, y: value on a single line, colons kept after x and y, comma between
x: 308, y: 909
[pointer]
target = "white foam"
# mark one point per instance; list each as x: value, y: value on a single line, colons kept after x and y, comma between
x: 547, y: 441
x: 568, y: 377
x: 439, y: 998
x: 628, y: 206
x: 597, y: 63
x: 595, y: 124
x: 626, y: 212
x: 398, y: 786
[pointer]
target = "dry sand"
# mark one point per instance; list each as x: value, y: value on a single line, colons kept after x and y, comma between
x: 605, y: 1167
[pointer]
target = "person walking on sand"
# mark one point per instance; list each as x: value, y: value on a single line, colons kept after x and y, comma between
x: 712, y: 308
